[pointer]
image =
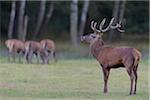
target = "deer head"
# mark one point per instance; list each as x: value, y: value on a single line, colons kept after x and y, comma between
x: 97, y: 34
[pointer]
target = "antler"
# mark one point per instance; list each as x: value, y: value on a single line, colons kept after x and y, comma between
x: 110, y: 26
x: 102, y: 24
x: 118, y: 26
x: 93, y: 26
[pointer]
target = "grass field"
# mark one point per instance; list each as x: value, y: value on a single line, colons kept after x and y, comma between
x: 74, y: 79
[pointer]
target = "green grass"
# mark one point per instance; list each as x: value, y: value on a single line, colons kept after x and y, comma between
x: 76, y: 79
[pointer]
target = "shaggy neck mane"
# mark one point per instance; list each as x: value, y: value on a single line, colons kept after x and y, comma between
x: 96, y: 46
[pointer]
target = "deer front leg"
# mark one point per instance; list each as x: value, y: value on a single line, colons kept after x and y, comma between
x: 106, y: 75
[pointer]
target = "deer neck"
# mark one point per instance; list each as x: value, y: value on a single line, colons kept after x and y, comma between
x: 95, y: 47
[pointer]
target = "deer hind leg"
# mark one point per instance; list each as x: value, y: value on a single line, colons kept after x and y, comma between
x: 14, y: 56
x: 131, y: 75
x: 29, y: 57
x: 136, y: 77
x: 20, y: 56
x: 38, y: 57
x: 106, y: 75
x: 51, y: 54
x: 54, y: 56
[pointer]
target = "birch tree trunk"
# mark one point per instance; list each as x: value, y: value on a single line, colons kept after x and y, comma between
x: 48, y: 16
x: 12, y: 18
x: 25, y: 28
x: 118, y: 14
x: 74, y: 22
x: 112, y: 32
x: 40, y: 18
x: 83, y: 17
x: 122, y: 10
x: 21, y: 16
x: 121, y: 16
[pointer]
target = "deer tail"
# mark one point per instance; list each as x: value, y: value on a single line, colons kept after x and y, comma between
x: 137, y: 57
x: 45, y: 45
x: 11, y: 46
x: 27, y: 48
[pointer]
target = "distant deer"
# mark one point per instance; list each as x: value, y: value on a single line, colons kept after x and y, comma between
x: 33, y: 47
x: 49, y: 46
x: 15, y: 47
x: 113, y: 57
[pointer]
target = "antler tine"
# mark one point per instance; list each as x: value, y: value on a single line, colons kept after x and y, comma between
x: 118, y: 26
x: 102, y: 24
x: 93, y: 26
x: 120, y: 30
x: 92, y: 22
x: 108, y: 27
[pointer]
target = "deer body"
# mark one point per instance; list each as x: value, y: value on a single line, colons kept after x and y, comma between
x: 33, y: 47
x: 15, y: 46
x: 49, y: 46
x: 113, y: 57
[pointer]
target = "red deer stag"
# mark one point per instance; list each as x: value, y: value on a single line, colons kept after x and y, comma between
x: 49, y: 46
x: 33, y: 47
x: 112, y: 57
x: 14, y: 46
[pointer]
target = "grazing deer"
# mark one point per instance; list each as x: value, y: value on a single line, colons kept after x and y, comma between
x: 49, y: 46
x: 33, y: 47
x: 113, y: 57
x: 14, y: 46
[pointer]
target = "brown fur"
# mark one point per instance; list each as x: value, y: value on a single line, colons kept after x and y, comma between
x: 49, y: 46
x: 114, y: 57
x: 33, y: 47
x: 14, y: 46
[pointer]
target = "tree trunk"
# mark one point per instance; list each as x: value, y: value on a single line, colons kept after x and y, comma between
x: 113, y: 33
x: 40, y: 18
x: 121, y: 16
x: 83, y: 17
x: 12, y: 18
x: 74, y: 22
x: 48, y: 16
x: 25, y: 28
x: 118, y: 14
x: 20, y: 22
x: 122, y: 10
